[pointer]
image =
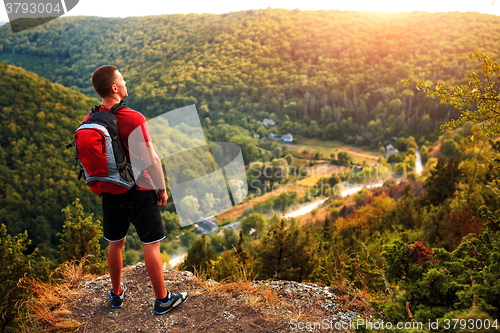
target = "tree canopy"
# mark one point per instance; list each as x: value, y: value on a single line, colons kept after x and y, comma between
x: 480, y: 97
x: 37, y: 119
x: 316, y: 67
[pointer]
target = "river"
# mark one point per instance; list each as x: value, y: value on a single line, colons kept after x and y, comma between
x: 177, y: 259
x: 418, y: 163
x: 350, y: 189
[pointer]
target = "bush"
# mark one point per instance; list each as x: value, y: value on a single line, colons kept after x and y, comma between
x: 435, y: 282
x: 289, y: 158
x: 188, y: 238
x: 396, y: 158
x: 131, y: 257
x: 14, y: 265
x: 449, y: 148
x: 254, y: 221
x: 199, y: 256
x: 343, y: 157
x: 80, y: 239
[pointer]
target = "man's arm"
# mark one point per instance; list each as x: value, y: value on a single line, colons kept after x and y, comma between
x: 156, y: 172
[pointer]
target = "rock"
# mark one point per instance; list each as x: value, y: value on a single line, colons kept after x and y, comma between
x: 139, y: 265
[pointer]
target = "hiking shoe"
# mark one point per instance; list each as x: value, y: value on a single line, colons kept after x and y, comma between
x: 173, y: 300
x: 117, y: 300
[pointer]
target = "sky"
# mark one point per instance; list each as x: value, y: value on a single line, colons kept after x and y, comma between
x: 126, y: 8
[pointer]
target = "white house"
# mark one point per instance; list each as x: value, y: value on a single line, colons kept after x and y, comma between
x: 390, y: 150
x: 287, y: 137
x: 267, y: 122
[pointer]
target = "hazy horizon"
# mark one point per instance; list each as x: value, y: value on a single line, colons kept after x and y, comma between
x: 127, y: 8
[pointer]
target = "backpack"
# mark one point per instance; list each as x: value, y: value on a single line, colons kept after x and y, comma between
x: 101, y: 154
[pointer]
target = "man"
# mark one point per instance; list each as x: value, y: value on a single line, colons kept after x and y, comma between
x: 140, y: 205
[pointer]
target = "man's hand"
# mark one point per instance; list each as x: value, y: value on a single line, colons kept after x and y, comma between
x: 162, y: 198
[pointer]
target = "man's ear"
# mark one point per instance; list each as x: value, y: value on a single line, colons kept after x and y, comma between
x: 114, y: 88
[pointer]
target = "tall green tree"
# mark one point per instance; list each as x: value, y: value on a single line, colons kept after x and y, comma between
x: 80, y: 239
x: 442, y: 181
x: 199, y: 256
x: 254, y: 221
x: 285, y: 253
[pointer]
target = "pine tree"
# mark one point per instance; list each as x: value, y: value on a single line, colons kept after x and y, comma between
x: 199, y: 256
x: 285, y: 253
x: 80, y: 239
x: 240, y: 251
x: 442, y: 181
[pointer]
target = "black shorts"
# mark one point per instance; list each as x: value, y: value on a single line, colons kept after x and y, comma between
x: 140, y: 208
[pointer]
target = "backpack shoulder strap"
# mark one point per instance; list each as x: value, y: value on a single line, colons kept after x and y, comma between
x: 95, y: 109
x: 114, y: 109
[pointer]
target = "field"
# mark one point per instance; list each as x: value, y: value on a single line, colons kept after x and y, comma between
x: 319, y: 171
x: 326, y: 148
x: 315, y: 172
x: 236, y: 211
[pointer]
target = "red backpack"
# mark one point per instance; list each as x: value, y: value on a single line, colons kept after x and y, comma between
x: 101, y: 154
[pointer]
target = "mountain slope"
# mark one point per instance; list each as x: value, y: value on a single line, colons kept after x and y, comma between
x: 256, y: 63
x: 37, y: 173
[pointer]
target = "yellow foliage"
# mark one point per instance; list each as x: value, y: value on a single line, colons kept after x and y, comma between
x: 165, y: 258
x: 310, y: 181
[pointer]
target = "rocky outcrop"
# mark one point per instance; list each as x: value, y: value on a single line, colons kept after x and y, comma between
x: 258, y: 306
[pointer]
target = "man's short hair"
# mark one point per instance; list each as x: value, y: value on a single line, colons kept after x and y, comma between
x: 103, y: 79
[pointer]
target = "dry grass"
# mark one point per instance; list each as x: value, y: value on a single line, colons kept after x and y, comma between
x: 237, y: 210
x: 71, y: 272
x: 240, y: 284
x: 262, y: 296
x: 328, y: 147
x: 251, y: 295
x: 352, y: 298
x: 45, y: 310
x: 310, y: 181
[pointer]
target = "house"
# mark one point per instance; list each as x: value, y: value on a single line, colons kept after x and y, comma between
x: 266, y: 122
x: 287, y: 137
x: 390, y: 150
x: 256, y: 136
x: 271, y: 136
x: 207, y: 224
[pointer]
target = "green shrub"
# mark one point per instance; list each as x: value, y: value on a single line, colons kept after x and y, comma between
x: 80, y: 239
x: 14, y: 265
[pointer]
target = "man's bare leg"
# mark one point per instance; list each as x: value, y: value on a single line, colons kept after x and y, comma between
x: 115, y: 265
x: 154, y: 265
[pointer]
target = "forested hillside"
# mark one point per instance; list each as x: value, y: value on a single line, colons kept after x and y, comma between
x: 335, y: 74
x: 421, y: 249
x: 38, y: 177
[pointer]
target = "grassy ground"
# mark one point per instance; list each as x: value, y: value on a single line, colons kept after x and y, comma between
x: 237, y: 211
x: 326, y: 148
